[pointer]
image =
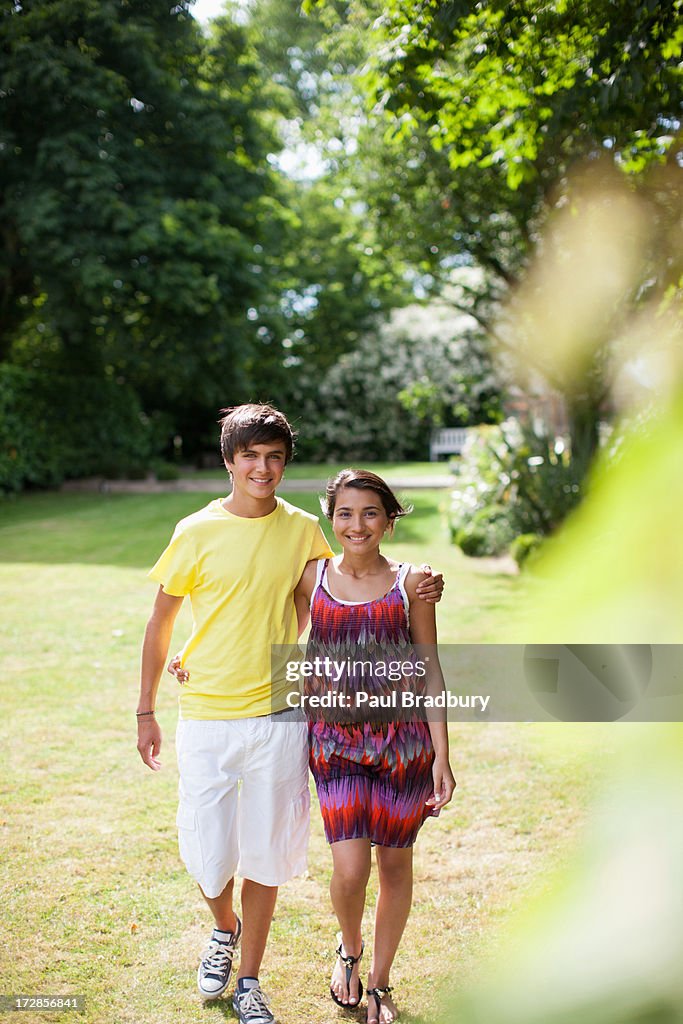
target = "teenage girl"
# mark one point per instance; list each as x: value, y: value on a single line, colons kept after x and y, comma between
x: 377, y: 781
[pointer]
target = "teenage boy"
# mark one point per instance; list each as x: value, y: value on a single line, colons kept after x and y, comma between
x: 239, y: 559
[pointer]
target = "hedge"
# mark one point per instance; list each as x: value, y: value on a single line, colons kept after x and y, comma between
x: 55, y: 428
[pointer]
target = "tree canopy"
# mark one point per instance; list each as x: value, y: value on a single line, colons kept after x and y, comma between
x: 133, y: 175
x: 206, y: 217
x: 476, y: 118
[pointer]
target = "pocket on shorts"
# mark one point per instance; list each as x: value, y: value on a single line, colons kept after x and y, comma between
x: 297, y: 832
x: 301, y: 807
x: 189, y: 842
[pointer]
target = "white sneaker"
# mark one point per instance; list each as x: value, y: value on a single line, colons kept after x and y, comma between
x: 250, y: 1004
x: 214, y: 971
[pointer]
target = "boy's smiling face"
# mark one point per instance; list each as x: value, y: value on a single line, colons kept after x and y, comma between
x: 257, y: 470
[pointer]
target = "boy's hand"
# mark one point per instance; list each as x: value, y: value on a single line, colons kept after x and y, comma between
x: 149, y: 741
x: 431, y: 589
x: 444, y: 784
x: 174, y: 667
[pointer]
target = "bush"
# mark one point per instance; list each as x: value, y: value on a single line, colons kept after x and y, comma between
x: 56, y: 428
x: 381, y: 400
x: 471, y: 541
x: 164, y: 471
x: 511, y: 481
x: 487, y: 533
x: 495, y: 523
x: 525, y: 545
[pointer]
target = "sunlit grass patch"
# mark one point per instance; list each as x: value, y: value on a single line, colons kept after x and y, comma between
x: 95, y: 898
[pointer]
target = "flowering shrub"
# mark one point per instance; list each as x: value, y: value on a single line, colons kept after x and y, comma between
x: 382, y: 399
x: 511, y: 481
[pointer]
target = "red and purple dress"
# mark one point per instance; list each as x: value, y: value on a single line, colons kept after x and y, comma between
x: 373, y: 777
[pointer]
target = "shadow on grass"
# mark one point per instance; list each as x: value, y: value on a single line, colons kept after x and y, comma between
x: 131, y: 531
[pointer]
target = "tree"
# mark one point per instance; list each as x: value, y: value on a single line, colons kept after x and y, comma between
x: 134, y: 179
x: 478, y: 113
x: 327, y: 280
x: 528, y: 86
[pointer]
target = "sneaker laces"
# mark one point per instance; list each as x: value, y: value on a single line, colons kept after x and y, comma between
x: 217, y: 956
x: 255, y: 1001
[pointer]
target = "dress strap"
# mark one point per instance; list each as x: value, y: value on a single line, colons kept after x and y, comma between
x: 403, y: 570
x: 320, y: 570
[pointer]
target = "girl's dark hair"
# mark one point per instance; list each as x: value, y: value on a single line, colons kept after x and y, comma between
x: 246, y: 425
x: 363, y: 480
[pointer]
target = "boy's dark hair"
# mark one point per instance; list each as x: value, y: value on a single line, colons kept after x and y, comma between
x: 363, y: 480
x: 245, y: 425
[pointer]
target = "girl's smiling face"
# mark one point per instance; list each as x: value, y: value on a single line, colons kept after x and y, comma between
x: 359, y: 521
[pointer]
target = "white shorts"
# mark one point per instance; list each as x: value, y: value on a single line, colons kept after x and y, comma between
x: 244, y: 800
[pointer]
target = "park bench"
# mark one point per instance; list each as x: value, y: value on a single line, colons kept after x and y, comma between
x: 447, y: 441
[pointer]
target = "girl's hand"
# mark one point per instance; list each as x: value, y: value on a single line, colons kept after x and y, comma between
x: 444, y: 784
x: 431, y: 589
x: 181, y: 674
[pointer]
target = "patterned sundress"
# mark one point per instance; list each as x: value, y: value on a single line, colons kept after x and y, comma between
x: 373, y: 777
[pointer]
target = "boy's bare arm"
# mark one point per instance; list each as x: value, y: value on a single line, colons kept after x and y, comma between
x: 154, y: 651
x: 302, y: 595
x: 423, y: 633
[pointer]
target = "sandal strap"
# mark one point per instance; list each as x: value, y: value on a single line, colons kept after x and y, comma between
x: 379, y: 993
x: 349, y: 961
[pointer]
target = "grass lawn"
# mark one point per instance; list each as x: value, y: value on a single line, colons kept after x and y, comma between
x: 95, y: 899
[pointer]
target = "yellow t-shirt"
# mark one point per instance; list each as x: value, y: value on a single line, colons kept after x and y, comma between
x: 240, y: 575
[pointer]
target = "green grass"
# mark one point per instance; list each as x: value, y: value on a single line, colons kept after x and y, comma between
x: 321, y: 470
x: 95, y: 899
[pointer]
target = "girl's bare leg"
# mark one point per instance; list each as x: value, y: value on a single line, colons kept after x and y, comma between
x: 351, y: 870
x: 393, y: 906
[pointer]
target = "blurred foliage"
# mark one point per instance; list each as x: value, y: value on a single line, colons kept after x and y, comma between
x: 608, y: 267
x: 614, y: 572
x: 603, y: 942
x: 524, y: 546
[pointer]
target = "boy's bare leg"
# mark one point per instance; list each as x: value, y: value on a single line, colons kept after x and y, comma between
x: 221, y: 908
x: 258, y: 906
x: 352, y: 862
